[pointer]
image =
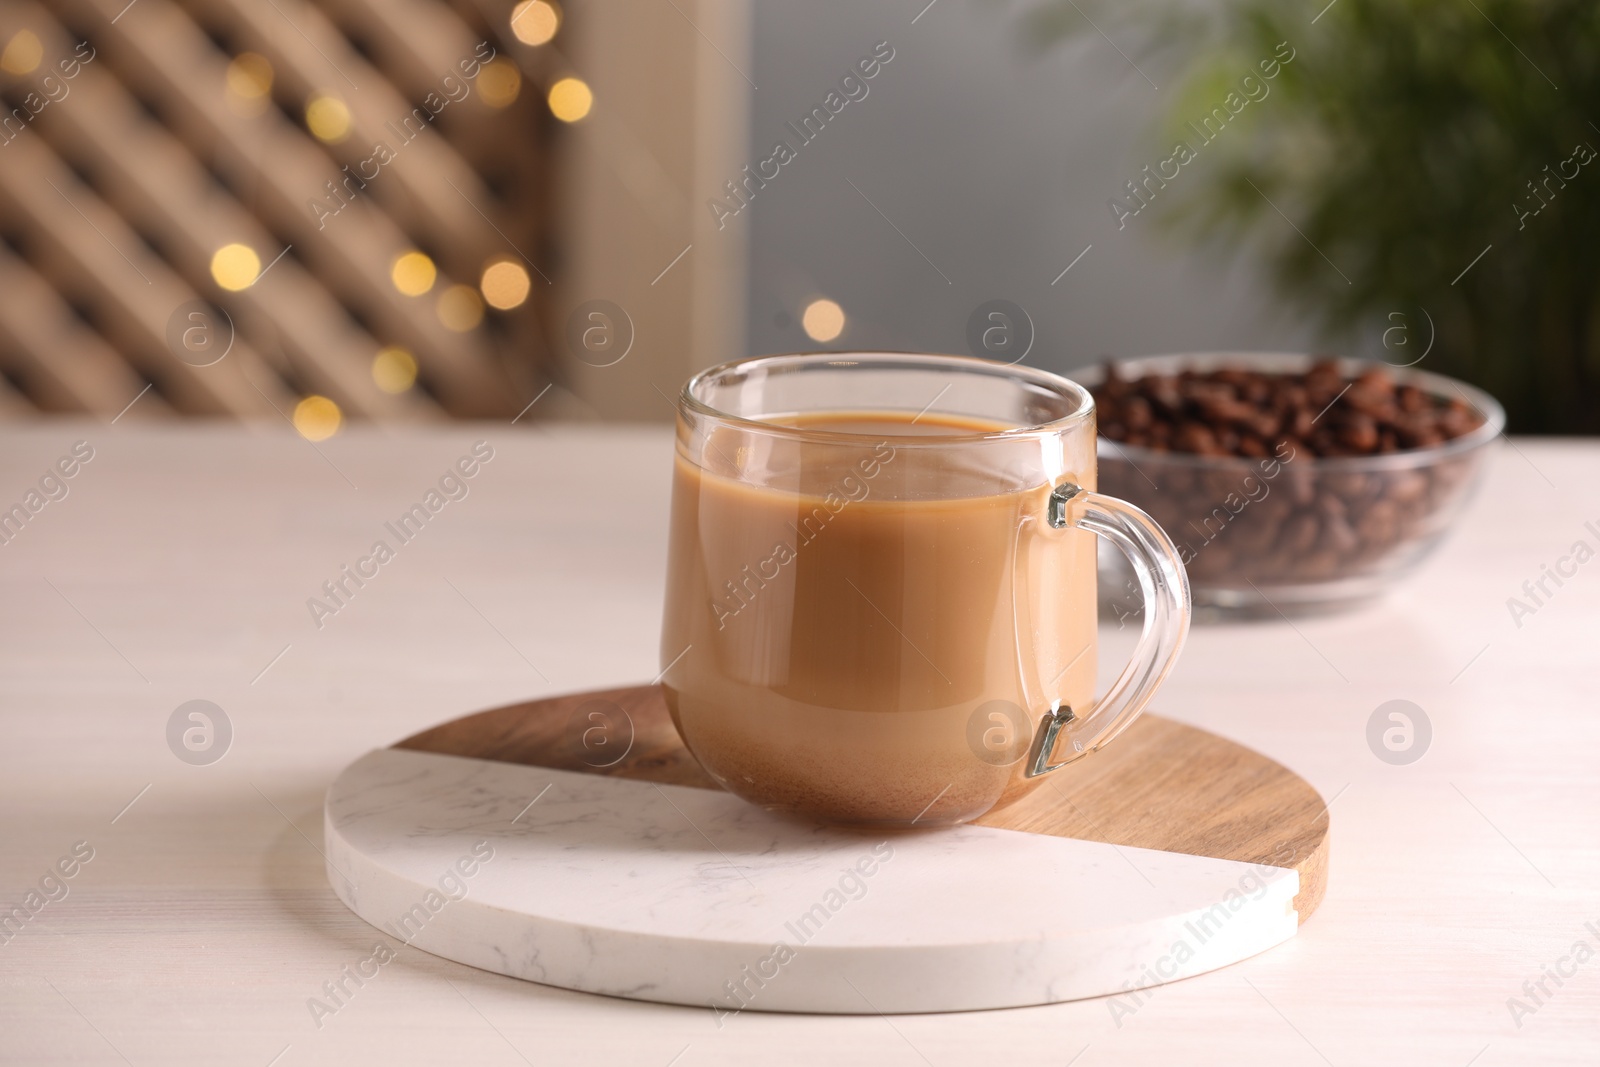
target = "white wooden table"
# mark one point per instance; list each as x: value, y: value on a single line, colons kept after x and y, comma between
x: 179, y: 565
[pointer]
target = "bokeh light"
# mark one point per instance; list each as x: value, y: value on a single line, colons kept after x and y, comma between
x: 499, y: 82
x: 413, y: 273
x: 823, y: 320
x: 317, y: 418
x: 394, y: 369
x: 22, y: 53
x: 535, y: 21
x: 460, y: 308
x: 505, y: 284
x: 235, y: 267
x: 328, y: 118
x: 570, y: 99
x: 249, y: 84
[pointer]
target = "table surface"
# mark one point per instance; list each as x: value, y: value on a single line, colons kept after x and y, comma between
x: 179, y: 565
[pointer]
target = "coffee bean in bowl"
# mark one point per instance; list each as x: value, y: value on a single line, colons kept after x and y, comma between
x: 1290, y: 483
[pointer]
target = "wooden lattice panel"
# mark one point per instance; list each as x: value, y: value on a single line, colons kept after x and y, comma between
x: 126, y: 163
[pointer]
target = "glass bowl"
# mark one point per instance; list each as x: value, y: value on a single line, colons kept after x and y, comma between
x: 1294, y: 534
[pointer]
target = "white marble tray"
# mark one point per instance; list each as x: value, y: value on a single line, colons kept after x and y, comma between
x: 691, y: 896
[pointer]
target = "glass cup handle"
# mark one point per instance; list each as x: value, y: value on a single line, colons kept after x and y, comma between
x: 1165, y: 587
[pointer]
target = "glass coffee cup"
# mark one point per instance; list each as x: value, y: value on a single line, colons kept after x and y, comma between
x: 881, y: 602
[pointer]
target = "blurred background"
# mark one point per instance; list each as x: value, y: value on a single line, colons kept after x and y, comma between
x: 394, y: 210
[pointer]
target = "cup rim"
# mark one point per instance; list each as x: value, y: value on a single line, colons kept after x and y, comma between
x: 1083, y: 409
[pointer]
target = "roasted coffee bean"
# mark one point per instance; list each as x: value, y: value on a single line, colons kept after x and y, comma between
x: 1252, y: 532
x: 1136, y: 413
x: 1407, y: 486
x: 1196, y: 437
x: 1346, y: 484
x: 1379, y: 406
x: 1413, y: 400
x: 1320, y: 564
x: 1417, y: 432
x: 1300, y: 532
x: 1379, y: 523
x: 1338, y: 536
x: 1301, y: 486
x: 1359, y: 434
x: 1376, y: 381
x: 1457, y: 421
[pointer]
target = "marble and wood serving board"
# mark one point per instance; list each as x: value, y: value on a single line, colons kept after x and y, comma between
x: 574, y: 841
